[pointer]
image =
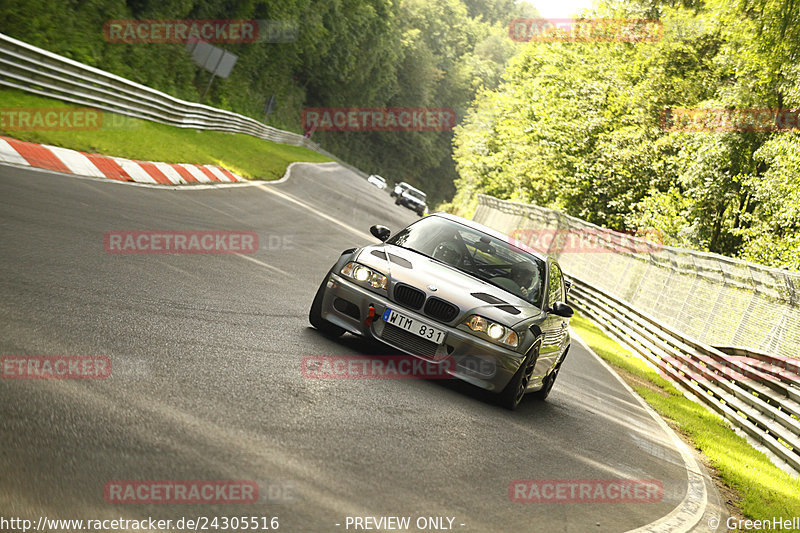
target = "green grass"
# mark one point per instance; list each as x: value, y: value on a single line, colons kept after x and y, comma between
x: 121, y: 136
x: 764, y: 490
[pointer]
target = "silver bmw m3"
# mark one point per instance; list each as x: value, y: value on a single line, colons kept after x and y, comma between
x: 454, y: 293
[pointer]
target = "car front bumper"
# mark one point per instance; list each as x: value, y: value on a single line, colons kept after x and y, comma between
x: 469, y: 358
x: 411, y: 205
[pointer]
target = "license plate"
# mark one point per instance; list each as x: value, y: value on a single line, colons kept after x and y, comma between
x: 412, y: 325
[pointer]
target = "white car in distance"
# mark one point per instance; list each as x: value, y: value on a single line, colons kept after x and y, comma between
x: 377, y: 181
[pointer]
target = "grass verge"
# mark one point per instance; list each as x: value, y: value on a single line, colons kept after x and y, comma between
x: 764, y: 491
x: 132, y: 138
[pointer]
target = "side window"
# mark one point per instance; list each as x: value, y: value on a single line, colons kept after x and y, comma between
x: 556, y: 286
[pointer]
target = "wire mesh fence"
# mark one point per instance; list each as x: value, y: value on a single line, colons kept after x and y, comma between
x: 715, y: 299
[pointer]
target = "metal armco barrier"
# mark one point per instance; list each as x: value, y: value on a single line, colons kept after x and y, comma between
x: 767, y: 406
x: 758, y: 394
x: 671, y: 306
x: 34, y: 70
x: 718, y: 300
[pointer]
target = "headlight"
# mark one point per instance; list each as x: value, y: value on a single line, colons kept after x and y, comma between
x: 365, y: 276
x: 494, y: 331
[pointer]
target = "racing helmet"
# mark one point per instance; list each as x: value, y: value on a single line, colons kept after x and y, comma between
x: 446, y: 252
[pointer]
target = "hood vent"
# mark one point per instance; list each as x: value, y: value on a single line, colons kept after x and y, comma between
x: 402, y: 261
x: 396, y: 259
x: 494, y: 300
x: 488, y: 298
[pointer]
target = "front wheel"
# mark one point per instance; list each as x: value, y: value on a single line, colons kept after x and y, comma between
x: 315, y: 314
x: 542, y: 394
x: 512, y: 395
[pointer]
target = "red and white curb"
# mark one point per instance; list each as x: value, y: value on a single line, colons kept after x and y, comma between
x: 115, y: 168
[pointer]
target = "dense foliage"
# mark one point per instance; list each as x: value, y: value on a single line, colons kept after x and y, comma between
x: 571, y: 125
x: 344, y: 53
x: 577, y: 126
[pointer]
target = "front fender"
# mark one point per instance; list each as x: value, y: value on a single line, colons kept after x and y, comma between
x: 347, y: 256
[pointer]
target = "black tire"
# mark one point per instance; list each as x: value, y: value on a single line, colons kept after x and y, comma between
x: 514, y: 392
x: 315, y: 314
x: 542, y: 394
x: 397, y: 201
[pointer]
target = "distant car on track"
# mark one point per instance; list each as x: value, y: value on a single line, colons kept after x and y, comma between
x: 453, y: 292
x: 378, y: 181
x: 398, y: 189
x: 412, y: 198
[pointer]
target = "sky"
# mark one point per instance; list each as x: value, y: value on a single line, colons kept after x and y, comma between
x: 560, y: 8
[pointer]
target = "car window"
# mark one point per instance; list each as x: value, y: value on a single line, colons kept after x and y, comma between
x: 556, y: 285
x: 483, y: 256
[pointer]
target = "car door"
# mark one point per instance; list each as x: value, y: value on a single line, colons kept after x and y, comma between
x: 554, y: 327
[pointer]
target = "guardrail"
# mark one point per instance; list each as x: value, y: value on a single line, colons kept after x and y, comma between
x: 757, y: 393
x: 668, y: 305
x: 715, y: 299
x: 766, y: 407
x: 35, y: 70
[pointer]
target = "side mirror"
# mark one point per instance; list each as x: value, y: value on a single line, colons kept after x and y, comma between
x: 562, y: 309
x: 380, y: 232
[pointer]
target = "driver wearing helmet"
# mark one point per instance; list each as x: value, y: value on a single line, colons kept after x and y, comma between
x: 522, y: 275
x: 446, y: 252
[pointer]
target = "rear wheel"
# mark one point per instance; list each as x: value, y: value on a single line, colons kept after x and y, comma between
x: 512, y: 395
x: 315, y: 314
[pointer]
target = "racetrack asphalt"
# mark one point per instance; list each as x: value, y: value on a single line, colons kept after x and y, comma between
x: 207, y: 385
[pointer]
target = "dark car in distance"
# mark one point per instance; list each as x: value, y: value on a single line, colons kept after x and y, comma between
x: 412, y: 198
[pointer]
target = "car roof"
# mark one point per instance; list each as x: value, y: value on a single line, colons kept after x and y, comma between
x: 491, y: 232
x: 414, y: 189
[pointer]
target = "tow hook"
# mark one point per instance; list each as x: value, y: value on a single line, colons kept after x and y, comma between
x: 370, y: 316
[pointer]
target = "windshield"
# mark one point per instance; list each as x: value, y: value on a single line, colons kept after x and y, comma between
x: 416, y: 194
x: 485, y: 257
